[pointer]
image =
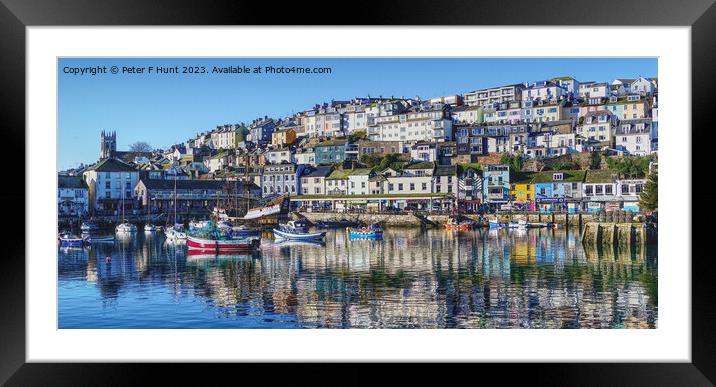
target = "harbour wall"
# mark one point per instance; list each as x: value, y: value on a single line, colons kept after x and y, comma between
x: 436, y: 220
x: 619, y: 235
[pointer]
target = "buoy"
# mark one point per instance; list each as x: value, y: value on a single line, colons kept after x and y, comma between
x: 108, y: 259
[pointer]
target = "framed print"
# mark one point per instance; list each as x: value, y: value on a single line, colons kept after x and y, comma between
x: 450, y: 188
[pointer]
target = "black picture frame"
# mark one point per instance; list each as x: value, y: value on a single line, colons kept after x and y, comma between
x: 16, y: 15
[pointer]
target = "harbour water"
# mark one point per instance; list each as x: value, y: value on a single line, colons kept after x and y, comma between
x: 413, y: 278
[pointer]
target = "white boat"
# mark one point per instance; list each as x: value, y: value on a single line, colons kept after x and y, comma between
x: 88, y: 227
x: 194, y: 224
x: 126, y: 228
x: 173, y: 234
x: 151, y: 228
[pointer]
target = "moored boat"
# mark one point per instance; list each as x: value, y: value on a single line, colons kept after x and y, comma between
x: 126, y: 228
x: 211, y: 237
x: 151, y: 228
x: 454, y: 225
x: 70, y: 240
x: 370, y: 232
x: 174, y: 233
x: 88, y: 227
x: 495, y: 223
x: 296, y: 230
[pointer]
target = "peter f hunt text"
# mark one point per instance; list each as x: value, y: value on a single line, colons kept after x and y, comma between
x: 95, y: 70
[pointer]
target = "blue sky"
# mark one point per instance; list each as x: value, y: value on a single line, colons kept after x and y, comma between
x: 166, y: 109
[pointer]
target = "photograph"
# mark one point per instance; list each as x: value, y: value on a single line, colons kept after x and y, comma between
x: 357, y: 192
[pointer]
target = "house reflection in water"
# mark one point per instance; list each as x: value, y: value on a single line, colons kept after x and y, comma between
x: 412, y: 279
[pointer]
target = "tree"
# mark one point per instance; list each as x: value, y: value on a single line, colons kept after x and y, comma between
x: 387, y: 160
x: 649, y: 198
x: 358, y: 135
x: 515, y: 162
x: 630, y: 167
x: 370, y: 160
x: 140, y: 146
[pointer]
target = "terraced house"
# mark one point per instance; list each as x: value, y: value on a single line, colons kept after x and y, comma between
x: 330, y: 152
x: 281, y: 179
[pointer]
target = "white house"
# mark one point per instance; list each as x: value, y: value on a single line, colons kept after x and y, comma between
x: 305, y: 156
x: 415, y: 178
x: 593, y: 90
x: 424, y: 151
x: 358, y: 181
x: 633, y: 137
x: 280, y: 155
x: 110, y: 182
x: 72, y: 195
x: 418, y: 124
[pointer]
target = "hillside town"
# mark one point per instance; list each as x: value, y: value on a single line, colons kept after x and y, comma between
x: 556, y: 145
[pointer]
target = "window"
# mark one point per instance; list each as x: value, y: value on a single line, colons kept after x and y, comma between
x: 557, y: 176
x: 608, y: 189
x: 598, y: 189
x: 400, y: 186
x: 588, y: 190
x: 412, y: 186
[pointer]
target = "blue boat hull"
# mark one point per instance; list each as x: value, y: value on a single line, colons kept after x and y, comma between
x: 298, y: 236
x: 72, y: 242
x: 366, y: 235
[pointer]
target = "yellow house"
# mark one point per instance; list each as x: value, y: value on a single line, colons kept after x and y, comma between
x: 283, y: 137
x: 523, y: 195
x: 629, y: 107
x: 522, y: 192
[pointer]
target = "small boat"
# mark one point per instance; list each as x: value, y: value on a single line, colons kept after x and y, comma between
x: 521, y: 223
x: 175, y: 233
x: 196, y: 224
x: 70, y: 240
x: 454, y: 225
x: 296, y: 230
x: 370, y: 232
x: 126, y: 228
x: 151, y: 228
x: 495, y: 224
x: 88, y: 227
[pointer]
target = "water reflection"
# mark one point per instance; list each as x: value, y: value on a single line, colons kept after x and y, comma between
x: 410, y: 279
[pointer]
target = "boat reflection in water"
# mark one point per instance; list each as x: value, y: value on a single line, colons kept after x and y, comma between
x: 502, y: 278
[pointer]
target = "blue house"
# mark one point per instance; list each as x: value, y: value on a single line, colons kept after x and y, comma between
x: 496, y: 184
x: 261, y: 130
x: 331, y: 152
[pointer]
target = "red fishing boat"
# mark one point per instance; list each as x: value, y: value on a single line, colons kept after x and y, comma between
x: 213, y: 238
x: 235, y: 243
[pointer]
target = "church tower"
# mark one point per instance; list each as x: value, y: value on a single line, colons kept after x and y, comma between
x: 107, y: 145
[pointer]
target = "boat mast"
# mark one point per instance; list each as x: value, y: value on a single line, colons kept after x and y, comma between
x: 246, y: 182
x: 175, y: 197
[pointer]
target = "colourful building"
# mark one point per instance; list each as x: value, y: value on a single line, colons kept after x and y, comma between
x: 283, y: 137
x: 330, y: 152
x: 522, y: 195
x: 496, y: 184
